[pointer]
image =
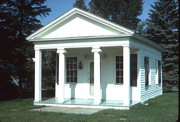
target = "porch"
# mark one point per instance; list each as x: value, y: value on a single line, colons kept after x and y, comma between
x: 87, y: 103
x: 98, y: 83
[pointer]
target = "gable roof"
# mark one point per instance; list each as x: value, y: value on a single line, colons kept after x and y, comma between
x: 123, y: 32
x: 76, y: 11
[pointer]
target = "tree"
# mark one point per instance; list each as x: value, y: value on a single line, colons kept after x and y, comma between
x: 80, y: 4
x: 18, y: 19
x: 163, y: 29
x: 141, y: 28
x: 123, y: 12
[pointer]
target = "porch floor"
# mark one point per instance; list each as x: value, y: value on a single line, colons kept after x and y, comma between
x: 87, y: 103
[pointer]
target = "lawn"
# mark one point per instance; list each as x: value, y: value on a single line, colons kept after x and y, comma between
x: 161, y: 109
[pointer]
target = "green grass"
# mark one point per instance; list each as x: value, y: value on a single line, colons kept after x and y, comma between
x: 161, y: 109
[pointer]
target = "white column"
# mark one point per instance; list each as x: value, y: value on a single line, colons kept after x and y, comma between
x: 97, y: 76
x: 61, y: 81
x: 38, y: 75
x: 126, y: 74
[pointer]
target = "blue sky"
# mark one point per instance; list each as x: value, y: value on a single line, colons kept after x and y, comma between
x: 59, y: 7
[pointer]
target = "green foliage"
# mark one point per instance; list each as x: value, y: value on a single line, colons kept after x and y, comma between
x: 162, y: 28
x: 80, y: 4
x: 18, y: 19
x: 122, y: 12
x: 49, y: 68
x: 141, y: 28
x: 161, y: 109
x: 163, y: 21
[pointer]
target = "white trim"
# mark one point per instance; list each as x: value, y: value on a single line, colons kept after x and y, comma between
x: 80, y: 38
x: 55, y: 45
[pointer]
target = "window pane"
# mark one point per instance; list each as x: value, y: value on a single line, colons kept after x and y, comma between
x: 117, y: 59
x: 117, y: 73
x: 71, y: 67
x: 71, y: 72
x: 75, y: 66
x: 120, y: 58
x: 121, y: 66
x: 159, y: 72
x: 146, y: 68
x: 121, y: 73
x: 75, y: 73
x: 121, y: 80
x: 117, y: 79
x: 68, y: 79
x: 68, y: 73
x: 117, y: 65
x: 71, y: 79
x: 133, y: 70
x: 119, y: 69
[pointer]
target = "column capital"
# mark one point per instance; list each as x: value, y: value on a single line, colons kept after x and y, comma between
x: 61, y: 50
x: 96, y: 49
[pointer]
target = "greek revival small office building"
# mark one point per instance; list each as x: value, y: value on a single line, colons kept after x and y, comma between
x: 100, y: 64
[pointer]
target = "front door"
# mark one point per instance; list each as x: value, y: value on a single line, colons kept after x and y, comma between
x: 91, y: 78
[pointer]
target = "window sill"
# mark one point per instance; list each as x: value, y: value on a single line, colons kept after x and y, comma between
x: 118, y: 83
x: 71, y: 83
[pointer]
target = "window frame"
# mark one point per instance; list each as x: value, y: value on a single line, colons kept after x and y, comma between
x: 72, y: 69
x: 146, y: 70
x: 119, y: 69
x: 131, y: 62
x: 159, y: 72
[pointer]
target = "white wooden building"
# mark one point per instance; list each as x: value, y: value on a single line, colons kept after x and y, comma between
x: 100, y: 64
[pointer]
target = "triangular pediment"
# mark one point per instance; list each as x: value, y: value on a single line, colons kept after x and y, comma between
x: 78, y: 23
x: 79, y: 26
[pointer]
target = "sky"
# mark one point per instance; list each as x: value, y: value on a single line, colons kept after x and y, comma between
x: 59, y: 7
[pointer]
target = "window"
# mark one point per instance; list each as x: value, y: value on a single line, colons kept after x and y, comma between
x: 146, y: 68
x: 133, y: 70
x: 71, y: 69
x: 119, y: 69
x: 159, y: 72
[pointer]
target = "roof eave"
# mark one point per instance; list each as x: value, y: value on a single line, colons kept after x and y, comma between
x: 78, y: 38
x: 147, y: 41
